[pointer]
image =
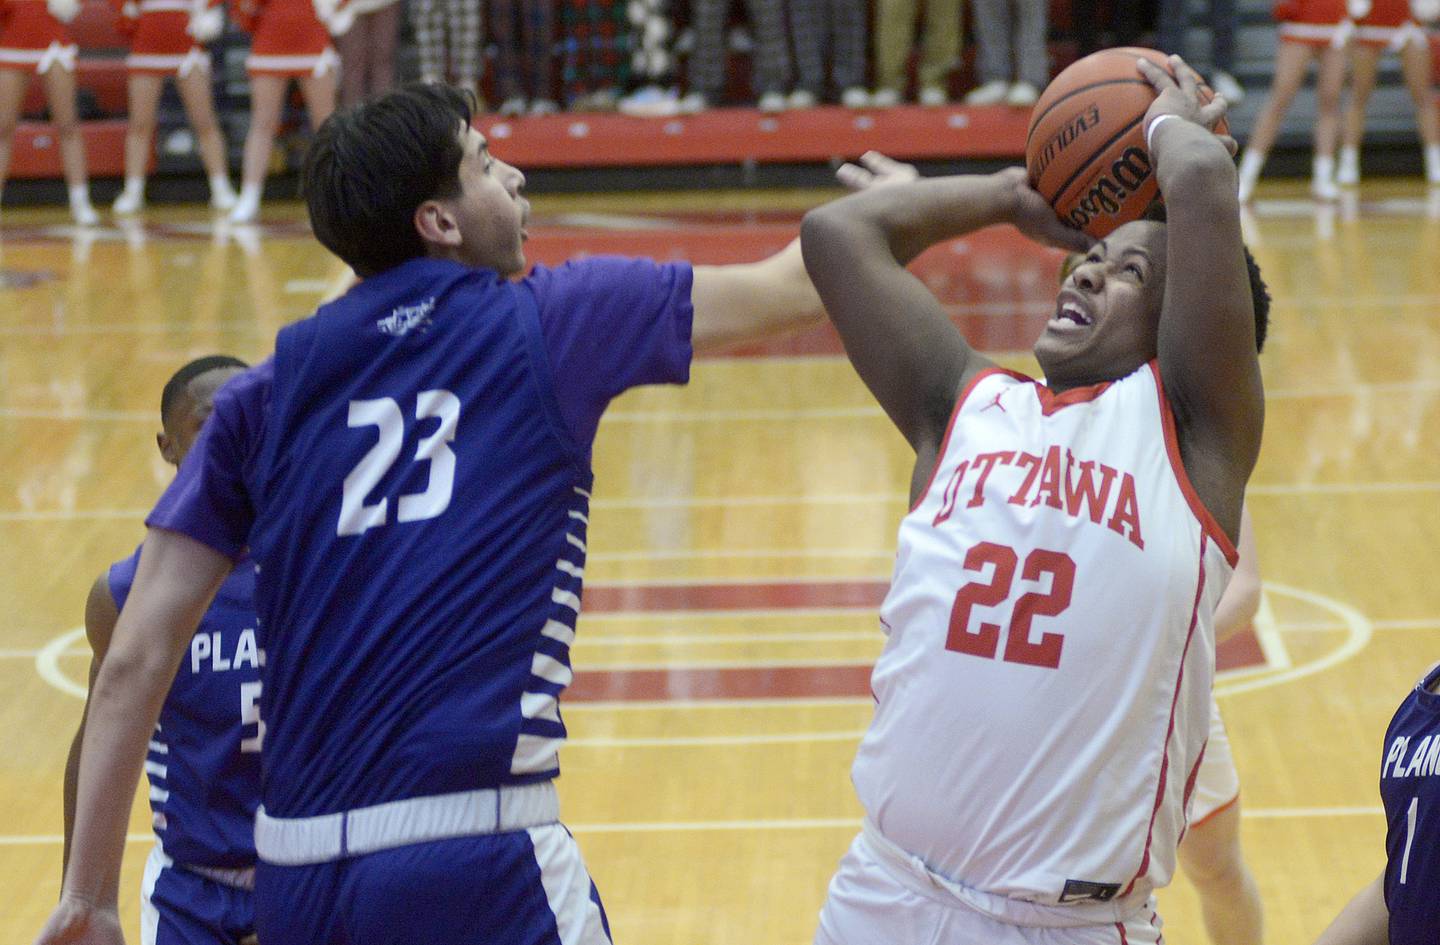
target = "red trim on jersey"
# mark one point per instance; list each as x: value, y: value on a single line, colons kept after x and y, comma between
x: 1223, y: 807
x: 1190, y: 787
x: 950, y: 427
x: 1051, y: 402
x: 1120, y: 927
x: 1172, y: 446
x: 1170, y: 729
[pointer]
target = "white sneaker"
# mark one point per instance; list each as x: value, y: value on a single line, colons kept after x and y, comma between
x: 933, y: 96
x: 772, y: 102
x: 1432, y: 166
x: 885, y: 98
x: 855, y: 97
x: 991, y: 93
x: 129, y: 202
x: 543, y: 106
x: 1022, y: 95
x: 84, y: 214
x: 1227, y: 85
x: 692, y: 103
x: 244, y: 211
x: 800, y: 98
x: 221, y: 198
x: 1322, y: 185
x: 651, y: 102
x: 1347, y: 169
x: 512, y: 107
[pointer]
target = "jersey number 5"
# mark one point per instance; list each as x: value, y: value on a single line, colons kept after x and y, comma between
x: 384, y: 412
x: 1019, y: 648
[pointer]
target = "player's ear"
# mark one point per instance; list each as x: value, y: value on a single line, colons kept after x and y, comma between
x: 168, y: 448
x: 436, y: 224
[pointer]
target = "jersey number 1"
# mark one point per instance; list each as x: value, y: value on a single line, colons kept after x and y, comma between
x: 384, y: 412
x: 1019, y: 648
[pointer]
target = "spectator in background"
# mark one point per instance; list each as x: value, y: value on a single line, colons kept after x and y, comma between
x: 447, y: 34
x: 1124, y: 23
x: 290, y: 39
x: 523, y: 82
x: 652, y: 64
x: 1309, y: 30
x: 769, y: 62
x: 33, y: 40
x: 1174, y: 21
x: 597, y: 46
x: 836, y: 27
x: 1010, y: 44
x: 895, y: 34
x: 367, y: 50
x: 1394, y: 25
x: 168, y: 42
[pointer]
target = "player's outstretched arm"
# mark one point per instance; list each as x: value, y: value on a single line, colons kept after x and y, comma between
x: 1364, y: 921
x: 175, y: 583
x: 1206, y: 341
x: 895, y: 331
x: 746, y: 301
x: 100, y: 617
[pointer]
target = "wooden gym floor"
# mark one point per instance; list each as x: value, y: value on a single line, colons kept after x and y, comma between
x: 743, y: 531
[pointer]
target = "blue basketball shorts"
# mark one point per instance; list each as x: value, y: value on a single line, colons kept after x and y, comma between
x: 178, y: 907
x: 524, y: 887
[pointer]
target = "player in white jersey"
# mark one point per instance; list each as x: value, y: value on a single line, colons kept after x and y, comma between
x: 1043, y: 697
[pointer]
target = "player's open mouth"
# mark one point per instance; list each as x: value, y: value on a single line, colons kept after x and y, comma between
x: 1070, y: 315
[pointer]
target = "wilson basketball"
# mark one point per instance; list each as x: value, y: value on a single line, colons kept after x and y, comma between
x: 1085, y: 149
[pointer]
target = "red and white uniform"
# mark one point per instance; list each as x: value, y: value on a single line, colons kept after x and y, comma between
x: 1388, y: 24
x: 1217, y: 786
x: 288, y: 38
x: 1043, y: 699
x: 1313, y: 22
x: 160, y: 44
x: 32, y: 39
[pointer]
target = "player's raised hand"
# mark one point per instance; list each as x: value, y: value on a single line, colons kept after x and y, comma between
x: 874, y: 170
x: 77, y: 922
x: 1034, y: 217
x: 1180, y: 95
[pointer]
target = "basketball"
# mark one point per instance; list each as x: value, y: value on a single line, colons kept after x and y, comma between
x: 1085, y: 148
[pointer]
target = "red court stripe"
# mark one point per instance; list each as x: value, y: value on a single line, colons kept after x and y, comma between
x: 788, y: 682
x: 720, y: 597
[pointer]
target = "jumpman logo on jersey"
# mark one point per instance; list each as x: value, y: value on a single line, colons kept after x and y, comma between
x: 995, y: 403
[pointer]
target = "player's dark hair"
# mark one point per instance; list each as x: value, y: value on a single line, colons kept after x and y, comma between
x: 1259, y: 292
x: 372, y: 165
x: 175, y: 387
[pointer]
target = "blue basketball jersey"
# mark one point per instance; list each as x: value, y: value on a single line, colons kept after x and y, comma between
x: 420, y: 517
x: 1410, y: 789
x: 204, y: 758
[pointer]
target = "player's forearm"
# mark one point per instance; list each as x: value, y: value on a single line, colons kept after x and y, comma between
x: 123, y: 708
x: 742, y: 302
x: 1364, y: 920
x: 72, y: 784
x: 1192, y: 168
x: 907, y: 219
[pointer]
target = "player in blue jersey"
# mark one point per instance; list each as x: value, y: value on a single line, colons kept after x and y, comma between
x: 1402, y: 905
x: 411, y: 475
x: 203, y: 761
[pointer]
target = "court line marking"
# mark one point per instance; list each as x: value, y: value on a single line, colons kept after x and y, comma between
x: 1359, y: 631
x: 1267, y: 633
x: 47, y: 664
x: 790, y: 823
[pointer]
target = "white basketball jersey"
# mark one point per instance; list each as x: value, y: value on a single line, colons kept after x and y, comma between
x: 1043, y: 698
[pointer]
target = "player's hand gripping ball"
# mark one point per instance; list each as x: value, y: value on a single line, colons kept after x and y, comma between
x: 1085, y: 150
